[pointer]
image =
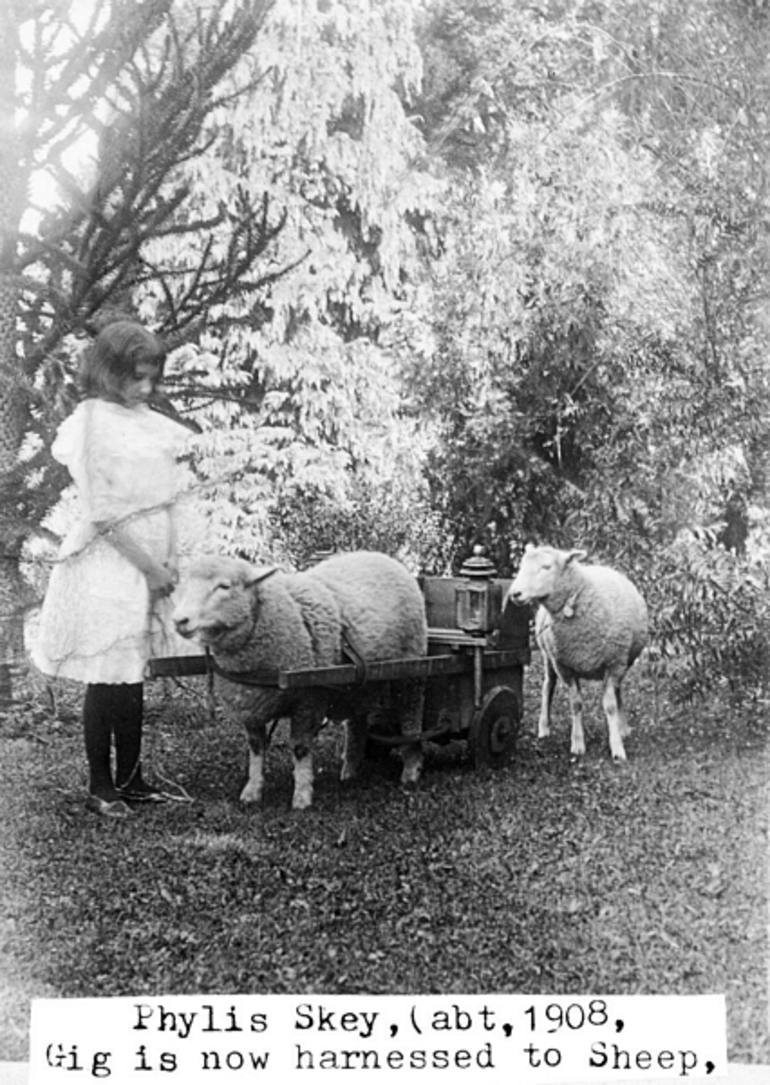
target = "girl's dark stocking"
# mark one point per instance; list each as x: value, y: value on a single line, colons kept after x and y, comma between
x: 113, y: 710
x: 97, y: 729
x: 127, y: 727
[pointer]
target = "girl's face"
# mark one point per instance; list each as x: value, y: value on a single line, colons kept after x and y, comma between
x: 140, y: 387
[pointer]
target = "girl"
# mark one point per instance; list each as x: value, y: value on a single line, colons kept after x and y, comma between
x: 107, y: 599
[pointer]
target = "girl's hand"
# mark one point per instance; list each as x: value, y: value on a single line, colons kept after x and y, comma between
x: 160, y: 580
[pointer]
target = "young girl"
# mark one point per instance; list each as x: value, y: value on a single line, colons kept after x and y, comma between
x: 107, y: 599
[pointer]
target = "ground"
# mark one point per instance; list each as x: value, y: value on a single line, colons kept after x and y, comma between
x: 544, y: 877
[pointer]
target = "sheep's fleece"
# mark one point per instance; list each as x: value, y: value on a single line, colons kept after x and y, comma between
x: 591, y: 623
x: 254, y: 618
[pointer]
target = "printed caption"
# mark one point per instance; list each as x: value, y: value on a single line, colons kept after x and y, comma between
x: 286, y: 1039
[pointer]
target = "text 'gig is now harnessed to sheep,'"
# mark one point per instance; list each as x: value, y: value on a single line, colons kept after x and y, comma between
x: 477, y: 651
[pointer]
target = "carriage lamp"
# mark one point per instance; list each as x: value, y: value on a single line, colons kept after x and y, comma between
x: 474, y: 604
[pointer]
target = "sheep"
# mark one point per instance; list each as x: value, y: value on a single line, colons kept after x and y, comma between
x: 254, y: 619
x: 591, y: 623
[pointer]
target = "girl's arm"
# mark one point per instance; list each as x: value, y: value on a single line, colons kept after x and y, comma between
x: 160, y: 580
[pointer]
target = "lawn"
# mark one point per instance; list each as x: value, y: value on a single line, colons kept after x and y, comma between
x: 545, y: 877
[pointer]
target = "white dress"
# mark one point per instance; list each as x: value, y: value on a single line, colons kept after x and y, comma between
x: 96, y: 623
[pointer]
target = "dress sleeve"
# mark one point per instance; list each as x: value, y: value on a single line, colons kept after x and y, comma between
x: 96, y: 453
x: 122, y: 461
x: 170, y: 436
x: 65, y: 447
x: 105, y: 481
x: 104, y: 497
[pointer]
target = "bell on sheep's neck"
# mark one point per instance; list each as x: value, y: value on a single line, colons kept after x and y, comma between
x: 473, y: 598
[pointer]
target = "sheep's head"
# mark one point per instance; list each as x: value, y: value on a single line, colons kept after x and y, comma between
x: 540, y: 573
x: 216, y: 602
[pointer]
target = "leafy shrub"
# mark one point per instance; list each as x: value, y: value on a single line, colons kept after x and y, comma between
x: 711, y: 615
x: 373, y: 516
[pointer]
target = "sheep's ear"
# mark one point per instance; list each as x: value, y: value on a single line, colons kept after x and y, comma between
x: 575, y: 555
x: 257, y: 574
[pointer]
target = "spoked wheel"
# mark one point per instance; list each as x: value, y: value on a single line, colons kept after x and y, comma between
x: 494, y: 728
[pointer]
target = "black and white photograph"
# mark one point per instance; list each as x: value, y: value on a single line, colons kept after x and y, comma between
x: 385, y: 524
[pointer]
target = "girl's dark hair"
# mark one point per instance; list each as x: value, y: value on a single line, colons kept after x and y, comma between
x: 113, y: 358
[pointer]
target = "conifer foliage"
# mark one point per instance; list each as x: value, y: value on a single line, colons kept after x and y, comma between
x: 105, y: 105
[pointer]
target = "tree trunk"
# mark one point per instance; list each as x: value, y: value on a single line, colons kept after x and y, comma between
x: 13, y: 398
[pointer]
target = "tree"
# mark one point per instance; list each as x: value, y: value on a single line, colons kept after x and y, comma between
x: 692, y: 80
x: 306, y: 403
x: 134, y: 84
x: 13, y: 404
x: 539, y: 304
x: 599, y: 299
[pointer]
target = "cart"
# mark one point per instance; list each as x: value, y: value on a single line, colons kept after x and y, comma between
x: 474, y: 668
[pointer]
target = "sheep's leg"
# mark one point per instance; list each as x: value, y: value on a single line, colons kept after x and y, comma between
x: 611, y: 705
x: 355, y: 744
x: 549, y: 685
x: 252, y: 792
x: 578, y: 747
x: 305, y: 722
x: 623, y: 725
x: 410, y: 700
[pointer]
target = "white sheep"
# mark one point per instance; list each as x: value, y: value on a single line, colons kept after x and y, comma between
x: 591, y: 623
x: 257, y: 619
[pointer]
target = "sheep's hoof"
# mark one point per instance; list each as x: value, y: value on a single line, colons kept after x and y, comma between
x: 410, y: 776
x: 302, y: 802
x: 251, y: 797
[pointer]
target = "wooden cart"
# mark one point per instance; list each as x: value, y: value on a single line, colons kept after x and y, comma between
x: 474, y: 679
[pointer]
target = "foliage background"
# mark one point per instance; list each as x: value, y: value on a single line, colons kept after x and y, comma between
x: 431, y: 276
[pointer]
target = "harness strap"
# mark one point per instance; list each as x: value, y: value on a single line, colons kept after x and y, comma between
x: 266, y: 677
x: 241, y: 678
x: 356, y: 658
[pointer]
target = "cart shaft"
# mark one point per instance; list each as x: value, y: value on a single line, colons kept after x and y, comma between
x: 382, y: 671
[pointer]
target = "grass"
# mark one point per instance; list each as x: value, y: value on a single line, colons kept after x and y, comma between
x: 546, y: 877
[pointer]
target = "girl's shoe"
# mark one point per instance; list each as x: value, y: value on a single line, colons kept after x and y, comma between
x: 105, y: 808
x: 142, y: 793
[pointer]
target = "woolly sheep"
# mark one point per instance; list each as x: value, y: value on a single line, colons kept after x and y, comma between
x: 591, y: 623
x: 254, y: 618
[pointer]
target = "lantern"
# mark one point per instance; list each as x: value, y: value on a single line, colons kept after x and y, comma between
x: 475, y: 609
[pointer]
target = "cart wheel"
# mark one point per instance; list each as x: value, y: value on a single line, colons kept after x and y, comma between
x: 494, y: 728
